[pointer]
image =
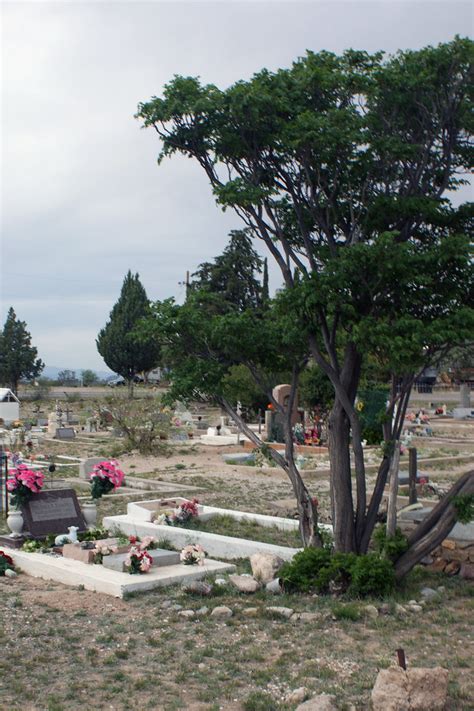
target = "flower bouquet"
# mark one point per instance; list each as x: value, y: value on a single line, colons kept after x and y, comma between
x: 138, y: 561
x: 22, y: 483
x: 6, y: 563
x: 105, y: 477
x: 181, y: 515
x: 193, y: 554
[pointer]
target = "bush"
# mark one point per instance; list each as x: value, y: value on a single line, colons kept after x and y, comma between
x: 318, y: 569
x: 372, y: 575
x: 393, y: 546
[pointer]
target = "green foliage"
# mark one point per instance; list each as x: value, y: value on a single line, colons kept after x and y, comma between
x: 142, y: 423
x: 350, y: 612
x: 96, y: 534
x: 372, y: 575
x: 315, y: 390
x: 123, y: 349
x: 318, y: 569
x: 18, y: 358
x: 464, y: 506
x: 392, y: 547
x: 372, y: 414
x: 89, y: 377
x: 260, y: 701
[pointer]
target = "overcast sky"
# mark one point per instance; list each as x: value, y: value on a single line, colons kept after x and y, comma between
x: 82, y: 198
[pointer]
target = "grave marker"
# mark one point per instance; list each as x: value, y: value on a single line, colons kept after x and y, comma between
x: 65, y: 433
x: 53, y: 512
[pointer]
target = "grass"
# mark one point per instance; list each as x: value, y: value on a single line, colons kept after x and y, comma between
x: 228, y: 526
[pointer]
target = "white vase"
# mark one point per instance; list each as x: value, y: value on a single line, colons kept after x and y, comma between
x: 89, y: 510
x: 15, y: 522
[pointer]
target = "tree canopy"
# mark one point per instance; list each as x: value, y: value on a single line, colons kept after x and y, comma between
x: 18, y: 358
x: 117, y: 342
x: 341, y: 166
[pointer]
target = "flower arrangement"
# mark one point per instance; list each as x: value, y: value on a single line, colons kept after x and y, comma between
x: 6, y: 563
x: 298, y: 433
x: 181, y: 515
x: 23, y: 483
x: 105, y: 477
x: 193, y: 554
x: 138, y: 561
x: 143, y: 544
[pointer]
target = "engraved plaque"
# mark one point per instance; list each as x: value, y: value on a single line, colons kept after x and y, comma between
x: 53, y: 512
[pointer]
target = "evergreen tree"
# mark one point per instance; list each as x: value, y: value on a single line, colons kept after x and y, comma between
x: 18, y: 358
x: 123, y: 350
x: 232, y: 275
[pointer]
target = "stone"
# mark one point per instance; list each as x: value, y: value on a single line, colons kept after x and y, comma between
x: 187, y: 613
x: 467, y: 571
x: 399, y: 609
x: 197, y: 587
x: 220, y: 581
x: 448, y: 544
x: 159, y: 557
x: 9, y: 573
x: 306, y: 616
x: 274, y: 587
x: 441, y: 589
x: 74, y: 551
x: 413, y: 690
x: 265, y: 566
x: 429, y: 593
x: 244, y: 583
x: 385, y: 608
x: 222, y: 611
x: 65, y: 433
x: 87, y: 465
x: 453, y: 568
x: 321, y: 702
x: 438, y: 566
x: 371, y: 611
x: 415, y: 608
x: 51, y: 512
x: 250, y: 612
x: 202, y: 611
x: 285, y: 612
x: 297, y: 696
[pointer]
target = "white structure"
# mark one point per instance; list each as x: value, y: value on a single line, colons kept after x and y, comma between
x: 9, y: 406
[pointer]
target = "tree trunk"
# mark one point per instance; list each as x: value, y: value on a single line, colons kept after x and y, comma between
x: 435, y: 527
x: 340, y: 482
x: 393, y: 491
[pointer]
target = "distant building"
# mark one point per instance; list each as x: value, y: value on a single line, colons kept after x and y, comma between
x: 9, y: 406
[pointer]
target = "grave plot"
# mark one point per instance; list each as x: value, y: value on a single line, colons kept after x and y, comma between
x: 148, y: 518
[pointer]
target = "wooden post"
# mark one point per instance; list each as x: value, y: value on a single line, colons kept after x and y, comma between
x: 393, y: 490
x: 412, y: 474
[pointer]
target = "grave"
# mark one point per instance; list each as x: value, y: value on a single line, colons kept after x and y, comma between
x: 159, y: 557
x: 65, y: 433
x: 87, y: 465
x: 98, y: 578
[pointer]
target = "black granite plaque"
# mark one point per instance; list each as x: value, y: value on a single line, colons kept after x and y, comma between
x: 65, y: 433
x: 53, y: 512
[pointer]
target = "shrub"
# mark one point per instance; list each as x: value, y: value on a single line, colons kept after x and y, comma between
x: 372, y: 575
x: 346, y: 612
x: 392, y: 547
x: 300, y: 575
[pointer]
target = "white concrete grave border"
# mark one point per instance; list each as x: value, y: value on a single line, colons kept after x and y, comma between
x: 138, y: 522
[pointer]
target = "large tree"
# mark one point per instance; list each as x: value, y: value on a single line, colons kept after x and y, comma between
x: 18, y: 358
x: 117, y: 342
x: 341, y: 165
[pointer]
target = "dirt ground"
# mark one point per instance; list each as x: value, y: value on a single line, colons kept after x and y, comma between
x: 67, y: 648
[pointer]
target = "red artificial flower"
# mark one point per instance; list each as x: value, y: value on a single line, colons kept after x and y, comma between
x: 132, y: 540
x: 6, y: 557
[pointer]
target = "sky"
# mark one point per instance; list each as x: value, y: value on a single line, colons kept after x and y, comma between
x: 82, y: 199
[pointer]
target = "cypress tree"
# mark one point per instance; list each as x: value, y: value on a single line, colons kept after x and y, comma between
x: 18, y: 358
x: 123, y: 350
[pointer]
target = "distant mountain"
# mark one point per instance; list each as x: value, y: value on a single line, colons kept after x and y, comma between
x: 51, y: 371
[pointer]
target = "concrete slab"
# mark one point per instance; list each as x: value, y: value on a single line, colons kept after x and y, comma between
x: 110, y: 582
x: 160, y: 558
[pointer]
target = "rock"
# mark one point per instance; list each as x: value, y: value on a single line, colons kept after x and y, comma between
x: 415, y: 608
x: 176, y: 607
x: 466, y: 571
x: 187, y: 613
x: 202, y: 611
x: 452, y: 568
x: 250, y: 612
x: 429, y: 593
x: 385, y: 608
x: 165, y: 604
x: 306, y: 616
x: 280, y: 611
x: 197, y: 587
x: 274, y: 587
x: 265, y: 566
x: 412, y: 690
x: 244, y: 583
x: 321, y: 702
x: 297, y: 696
x: 400, y: 610
x: 438, y: 566
x: 371, y: 611
x: 220, y: 581
x: 427, y: 560
x: 441, y: 589
x: 9, y: 573
x: 222, y: 611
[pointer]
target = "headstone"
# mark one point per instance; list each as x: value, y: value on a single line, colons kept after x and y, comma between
x: 87, y: 465
x: 281, y: 393
x: 465, y: 396
x: 65, y: 433
x: 53, y: 512
x: 159, y: 557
